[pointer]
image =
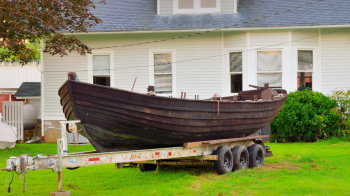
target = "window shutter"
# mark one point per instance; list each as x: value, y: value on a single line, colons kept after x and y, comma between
x: 101, y: 65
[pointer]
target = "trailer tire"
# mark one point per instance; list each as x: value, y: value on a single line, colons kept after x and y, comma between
x: 256, y: 154
x: 240, y: 157
x: 224, y: 163
x: 147, y: 167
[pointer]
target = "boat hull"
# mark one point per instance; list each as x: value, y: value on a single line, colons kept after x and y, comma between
x: 118, y: 120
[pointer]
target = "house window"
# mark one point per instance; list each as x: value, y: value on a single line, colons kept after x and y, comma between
x: 269, y: 65
x: 101, y: 69
x: 235, y: 72
x: 196, y: 6
x: 185, y: 4
x: 305, y: 68
x: 163, y: 75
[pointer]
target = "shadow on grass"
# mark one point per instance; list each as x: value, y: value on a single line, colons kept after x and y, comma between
x: 192, y: 170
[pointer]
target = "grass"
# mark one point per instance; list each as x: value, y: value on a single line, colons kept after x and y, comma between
x: 321, y: 168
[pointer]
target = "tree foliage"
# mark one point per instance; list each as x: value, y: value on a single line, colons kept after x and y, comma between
x: 23, y: 21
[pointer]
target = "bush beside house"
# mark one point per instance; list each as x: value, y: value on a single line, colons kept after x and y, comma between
x: 308, y: 116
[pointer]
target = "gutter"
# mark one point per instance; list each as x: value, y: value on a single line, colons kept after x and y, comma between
x: 223, y: 29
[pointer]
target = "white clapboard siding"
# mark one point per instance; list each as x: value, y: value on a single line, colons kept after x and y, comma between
x: 268, y: 38
x: 335, y: 59
x: 13, y: 116
x: 201, y: 77
x: 13, y: 74
x: 199, y: 67
x: 299, y: 36
x: 235, y: 39
x: 55, y: 74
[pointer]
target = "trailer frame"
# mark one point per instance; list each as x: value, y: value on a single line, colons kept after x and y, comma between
x: 192, y: 153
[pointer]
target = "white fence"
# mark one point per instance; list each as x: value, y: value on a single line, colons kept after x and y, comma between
x: 13, y: 115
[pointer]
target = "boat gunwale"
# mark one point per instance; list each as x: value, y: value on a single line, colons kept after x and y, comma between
x: 171, y: 98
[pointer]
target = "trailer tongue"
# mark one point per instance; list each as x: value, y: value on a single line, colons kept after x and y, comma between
x: 225, y: 155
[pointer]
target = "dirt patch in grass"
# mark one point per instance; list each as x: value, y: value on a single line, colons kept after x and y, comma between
x: 278, y: 166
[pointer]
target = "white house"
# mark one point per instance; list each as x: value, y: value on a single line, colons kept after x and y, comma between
x: 12, y: 76
x: 208, y: 46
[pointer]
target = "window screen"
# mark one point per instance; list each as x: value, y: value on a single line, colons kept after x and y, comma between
x: 208, y: 3
x: 162, y: 63
x: 305, y: 60
x: 236, y: 62
x: 163, y: 73
x: 185, y: 4
x: 274, y: 79
x: 271, y: 62
x: 236, y: 72
x: 101, y: 64
x: 305, y: 68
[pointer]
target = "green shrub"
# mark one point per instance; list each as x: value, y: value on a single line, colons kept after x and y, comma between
x: 305, y: 117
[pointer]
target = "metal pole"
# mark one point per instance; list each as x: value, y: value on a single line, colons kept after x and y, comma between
x: 59, y: 163
x: 59, y: 181
x: 64, y: 139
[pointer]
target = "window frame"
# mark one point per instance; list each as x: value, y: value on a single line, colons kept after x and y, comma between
x: 90, y: 65
x: 227, y: 74
x: 152, y: 52
x: 316, y: 78
x: 283, y: 66
x: 196, y: 8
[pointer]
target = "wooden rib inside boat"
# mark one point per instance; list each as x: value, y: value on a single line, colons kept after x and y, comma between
x: 118, y: 120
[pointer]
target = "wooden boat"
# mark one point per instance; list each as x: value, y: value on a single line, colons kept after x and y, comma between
x: 118, y: 120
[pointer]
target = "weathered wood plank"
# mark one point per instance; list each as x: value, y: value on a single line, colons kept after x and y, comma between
x: 213, y: 142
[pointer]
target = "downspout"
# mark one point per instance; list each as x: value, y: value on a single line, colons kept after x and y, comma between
x: 42, y: 89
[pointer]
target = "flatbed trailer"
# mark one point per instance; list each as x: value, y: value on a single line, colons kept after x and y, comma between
x: 225, y: 155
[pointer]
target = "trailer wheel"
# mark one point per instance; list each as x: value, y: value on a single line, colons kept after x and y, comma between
x: 256, y: 154
x: 147, y: 167
x: 240, y: 157
x: 224, y: 163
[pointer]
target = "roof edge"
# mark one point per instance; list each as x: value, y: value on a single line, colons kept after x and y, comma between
x: 224, y: 29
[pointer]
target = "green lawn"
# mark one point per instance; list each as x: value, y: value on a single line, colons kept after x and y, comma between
x: 321, y: 168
